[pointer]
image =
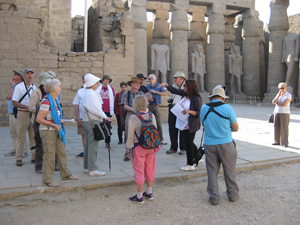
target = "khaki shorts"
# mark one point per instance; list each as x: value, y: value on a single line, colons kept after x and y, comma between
x: 80, y: 130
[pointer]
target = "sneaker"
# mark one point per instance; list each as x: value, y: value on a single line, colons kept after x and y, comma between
x: 275, y: 143
x: 187, y: 168
x: 171, y: 151
x: 96, y: 173
x: 71, y: 177
x: 81, y: 154
x: 285, y: 145
x: 86, y: 171
x: 39, y: 171
x: 148, y: 196
x: 120, y: 142
x: 19, y: 163
x: 10, y: 154
x: 53, y: 184
x: 126, y: 159
x: 56, y: 168
x: 32, y: 161
x: 107, y: 145
x: 136, y: 199
x: 25, y: 155
x: 182, y: 152
x: 163, y: 143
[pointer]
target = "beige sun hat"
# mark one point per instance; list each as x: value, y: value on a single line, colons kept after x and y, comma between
x: 179, y: 74
x: 90, y: 80
x: 218, y: 91
x: 43, y: 77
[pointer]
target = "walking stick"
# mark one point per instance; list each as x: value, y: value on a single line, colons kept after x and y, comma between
x: 109, y: 162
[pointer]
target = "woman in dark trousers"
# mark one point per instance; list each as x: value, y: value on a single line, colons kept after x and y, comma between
x: 191, y: 103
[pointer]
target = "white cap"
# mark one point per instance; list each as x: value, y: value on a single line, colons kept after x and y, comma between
x: 90, y: 80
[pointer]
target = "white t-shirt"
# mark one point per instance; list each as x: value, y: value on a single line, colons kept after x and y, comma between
x: 183, y: 124
x: 286, y: 109
x: 78, y: 101
x: 20, y: 90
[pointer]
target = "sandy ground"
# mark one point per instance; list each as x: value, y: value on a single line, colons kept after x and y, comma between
x: 267, y: 196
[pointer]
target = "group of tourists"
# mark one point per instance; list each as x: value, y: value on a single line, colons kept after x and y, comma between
x: 36, y: 109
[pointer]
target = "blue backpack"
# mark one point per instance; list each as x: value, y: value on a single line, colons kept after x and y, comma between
x: 149, y: 138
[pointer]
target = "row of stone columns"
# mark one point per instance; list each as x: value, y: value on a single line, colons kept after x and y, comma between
x: 215, y: 43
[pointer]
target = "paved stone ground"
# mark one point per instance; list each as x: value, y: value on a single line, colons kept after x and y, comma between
x: 253, y: 143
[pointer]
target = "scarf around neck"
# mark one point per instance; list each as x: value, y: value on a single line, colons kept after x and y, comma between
x: 56, y: 118
x: 111, y: 98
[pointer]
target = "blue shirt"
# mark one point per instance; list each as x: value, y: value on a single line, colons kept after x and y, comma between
x: 156, y: 98
x: 217, y: 129
x: 10, y: 105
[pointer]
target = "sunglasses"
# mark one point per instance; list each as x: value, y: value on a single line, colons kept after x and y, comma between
x: 281, y: 88
x: 150, y: 78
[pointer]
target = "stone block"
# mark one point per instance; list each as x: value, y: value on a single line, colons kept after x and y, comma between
x: 76, y: 59
x: 84, y: 64
x: 48, y: 63
x: 162, y: 14
x: 98, y: 64
x: 4, y: 45
x: 80, y: 53
x: 19, y: 14
x: 95, y: 54
x: 75, y: 75
x: 62, y: 53
x: 84, y: 59
x: 61, y: 58
x: 63, y: 64
x: 34, y: 12
x: 71, y: 54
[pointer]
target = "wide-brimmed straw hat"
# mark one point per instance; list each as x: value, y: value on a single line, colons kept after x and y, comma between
x: 90, y: 80
x: 133, y: 79
x: 218, y: 91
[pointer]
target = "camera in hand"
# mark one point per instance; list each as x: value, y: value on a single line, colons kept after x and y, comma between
x: 170, y: 100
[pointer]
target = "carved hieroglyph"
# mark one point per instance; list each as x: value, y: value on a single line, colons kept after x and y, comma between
x: 198, y: 65
x: 160, y: 61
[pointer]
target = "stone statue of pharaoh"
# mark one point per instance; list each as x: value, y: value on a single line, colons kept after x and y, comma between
x: 198, y: 66
x: 235, y: 69
x: 160, y: 61
x: 290, y: 54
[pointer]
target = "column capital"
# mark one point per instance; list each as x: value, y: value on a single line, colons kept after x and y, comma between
x: 250, y: 24
x: 278, y: 17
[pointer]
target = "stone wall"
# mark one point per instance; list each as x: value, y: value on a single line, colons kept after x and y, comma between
x: 294, y: 22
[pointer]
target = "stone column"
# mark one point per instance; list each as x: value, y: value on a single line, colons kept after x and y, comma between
x: 139, y: 15
x: 179, y: 43
x: 262, y: 59
x: 278, y: 27
x: 250, y: 34
x: 229, y: 39
x: 161, y: 31
x: 215, y: 46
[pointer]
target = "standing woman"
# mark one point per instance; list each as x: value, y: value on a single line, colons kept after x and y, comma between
x: 52, y: 133
x: 191, y: 104
x: 93, y: 113
x: 143, y: 160
x: 282, y: 116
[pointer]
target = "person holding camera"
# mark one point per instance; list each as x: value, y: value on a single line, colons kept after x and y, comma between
x: 156, y: 93
x: 179, y: 79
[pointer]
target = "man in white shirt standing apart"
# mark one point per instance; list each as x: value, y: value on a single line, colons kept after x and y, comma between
x: 20, y: 99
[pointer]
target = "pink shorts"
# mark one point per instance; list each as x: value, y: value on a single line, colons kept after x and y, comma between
x: 143, y: 162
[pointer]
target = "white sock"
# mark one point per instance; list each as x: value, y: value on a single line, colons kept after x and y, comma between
x: 139, y: 194
x: 149, y: 190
